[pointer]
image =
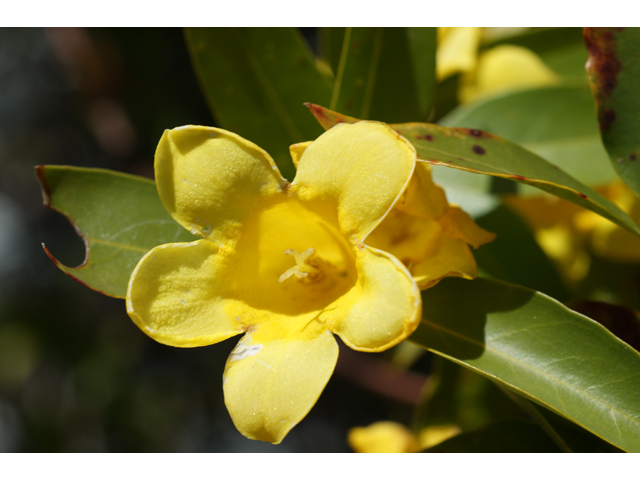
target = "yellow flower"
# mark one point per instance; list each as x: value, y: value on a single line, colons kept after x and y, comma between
x: 283, y: 263
x: 429, y: 236
x: 568, y: 233
x: 392, y: 437
x: 497, y: 70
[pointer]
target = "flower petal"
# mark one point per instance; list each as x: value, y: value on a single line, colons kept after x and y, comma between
x: 424, y: 247
x: 448, y: 257
x: 275, y: 375
x: 358, y: 170
x: 458, y: 224
x: 296, y: 150
x: 382, y: 437
x: 176, y: 297
x: 382, y: 309
x: 423, y: 198
x: 457, y: 50
x: 210, y: 179
x: 505, y: 68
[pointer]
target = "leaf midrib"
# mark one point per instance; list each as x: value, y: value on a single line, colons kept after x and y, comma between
x: 568, y: 386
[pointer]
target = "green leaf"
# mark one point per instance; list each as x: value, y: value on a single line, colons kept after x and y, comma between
x: 330, y: 41
x: 614, y: 68
x: 480, y: 152
x: 540, y: 349
x: 508, y: 436
x: 557, y: 123
x: 119, y: 216
x: 256, y: 80
x: 386, y: 73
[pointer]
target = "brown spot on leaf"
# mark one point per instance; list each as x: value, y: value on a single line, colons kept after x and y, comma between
x: 477, y: 149
x: 425, y: 137
x: 519, y: 177
x: 582, y: 195
x: 633, y: 157
x: 476, y: 133
x: 603, y: 67
x: 603, y: 62
x: 607, y: 117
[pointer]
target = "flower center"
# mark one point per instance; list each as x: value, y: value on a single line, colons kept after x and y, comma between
x: 301, y: 269
x: 318, y: 265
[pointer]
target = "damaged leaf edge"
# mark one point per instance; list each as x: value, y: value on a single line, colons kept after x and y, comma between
x: 46, y: 201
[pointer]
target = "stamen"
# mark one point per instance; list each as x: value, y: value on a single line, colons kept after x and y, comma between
x: 300, y: 263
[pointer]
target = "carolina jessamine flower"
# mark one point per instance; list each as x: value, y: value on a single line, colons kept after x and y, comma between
x: 496, y: 70
x: 285, y: 264
x: 569, y: 233
x: 427, y: 234
x: 393, y: 437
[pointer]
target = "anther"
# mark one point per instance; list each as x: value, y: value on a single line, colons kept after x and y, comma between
x: 300, y: 259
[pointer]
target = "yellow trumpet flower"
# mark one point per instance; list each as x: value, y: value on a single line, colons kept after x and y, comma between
x: 284, y: 264
x: 496, y: 70
x: 393, y: 437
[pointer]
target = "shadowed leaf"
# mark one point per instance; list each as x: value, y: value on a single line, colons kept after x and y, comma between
x: 508, y: 436
x: 386, y: 73
x: 256, y: 80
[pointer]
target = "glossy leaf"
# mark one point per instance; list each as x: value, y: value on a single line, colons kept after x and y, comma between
x: 614, y: 68
x: 256, y: 80
x: 386, y: 73
x: 540, y: 349
x: 119, y: 216
x: 508, y: 436
x: 557, y: 123
x: 480, y: 152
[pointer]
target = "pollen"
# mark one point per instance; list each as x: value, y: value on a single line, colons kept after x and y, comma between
x: 301, y: 269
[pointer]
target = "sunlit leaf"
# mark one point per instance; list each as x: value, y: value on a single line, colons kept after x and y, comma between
x: 614, y: 69
x: 119, y: 216
x: 557, y: 123
x: 386, y: 73
x: 540, y: 349
x: 480, y: 152
x: 256, y: 80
